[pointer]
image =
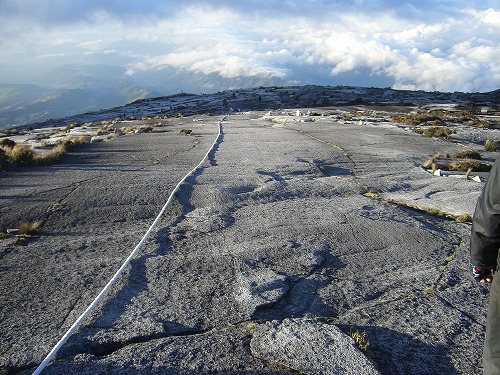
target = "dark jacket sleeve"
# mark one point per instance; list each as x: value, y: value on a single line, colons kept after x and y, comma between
x: 485, y: 233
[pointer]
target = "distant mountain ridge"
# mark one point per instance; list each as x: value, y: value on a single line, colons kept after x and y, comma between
x: 26, y: 104
x: 47, y: 107
x: 276, y: 97
x: 78, y: 88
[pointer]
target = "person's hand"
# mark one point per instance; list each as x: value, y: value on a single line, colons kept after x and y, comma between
x: 484, y: 276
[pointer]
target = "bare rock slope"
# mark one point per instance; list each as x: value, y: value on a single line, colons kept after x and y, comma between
x: 298, y: 233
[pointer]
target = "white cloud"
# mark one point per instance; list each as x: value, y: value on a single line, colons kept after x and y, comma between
x: 490, y: 17
x: 413, y: 43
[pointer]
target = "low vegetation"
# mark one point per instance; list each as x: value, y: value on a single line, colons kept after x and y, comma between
x: 137, y: 129
x: 463, y: 161
x: 462, y: 218
x: 29, y: 229
x: 490, y: 145
x: 360, y: 339
x: 436, y: 132
x: 16, y: 154
x: 465, y: 165
x: 442, y: 117
x: 467, y: 154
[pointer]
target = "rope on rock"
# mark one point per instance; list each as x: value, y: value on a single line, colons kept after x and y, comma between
x: 82, y: 317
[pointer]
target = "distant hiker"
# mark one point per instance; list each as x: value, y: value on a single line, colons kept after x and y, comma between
x: 224, y: 103
x: 260, y: 99
x: 234, y: 95
x: 484, y: 245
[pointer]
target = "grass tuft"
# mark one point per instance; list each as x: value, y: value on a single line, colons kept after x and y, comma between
x: 19, y: 154
x: 464, y: 218
x: 360, y: 339
x: 465, y: 165
x: 6, y: 142
x: 436, y: 132
x: 490, y: 145
x: 439, y: 118
x: 250, y: 327
x: 467, y: 154
x: 30, y: 229
x: 26, y: 155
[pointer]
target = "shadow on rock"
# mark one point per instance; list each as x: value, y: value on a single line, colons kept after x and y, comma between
x: 303, y: 297
x: 397, y: 353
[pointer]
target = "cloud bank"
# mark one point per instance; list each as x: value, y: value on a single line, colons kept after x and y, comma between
x: 418, y: 45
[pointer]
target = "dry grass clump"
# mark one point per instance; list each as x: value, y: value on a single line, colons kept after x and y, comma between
x: 136, y: 129
x: 467, y: 161
x: 463, y: 161
x: 465, y: 165
x: 186, y: 131
x: 360, y: 339
x: 58, y: 151
x: 6, y: 142
x: 145, y: 129
x: 19, y: 154
x: 467, y: 154
x: 71, y: 126
x: 128, y: 129
x: 26, y: 155
x: 436, y: 132
x: 47, y: 157
x: 439, y: 118
x: 464, y: 218
x: 29, y: 229
x: 414, y: 119
x: 4, y: 160
x: 105, y: 130
x: 490, y: 145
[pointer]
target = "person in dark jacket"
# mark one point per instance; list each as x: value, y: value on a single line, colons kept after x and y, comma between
x: 484, y: 245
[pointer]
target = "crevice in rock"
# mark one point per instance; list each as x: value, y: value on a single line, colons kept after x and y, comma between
x: 105, y: 349
x: 462, y: 312
x: 464, y: 218
x: 291, y: 305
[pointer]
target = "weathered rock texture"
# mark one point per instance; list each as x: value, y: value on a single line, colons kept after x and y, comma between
x: 270, y: 255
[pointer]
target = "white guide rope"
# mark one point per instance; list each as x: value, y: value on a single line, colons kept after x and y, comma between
x: 82, y: 317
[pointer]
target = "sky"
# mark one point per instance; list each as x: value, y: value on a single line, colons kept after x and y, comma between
x: 431, y: 45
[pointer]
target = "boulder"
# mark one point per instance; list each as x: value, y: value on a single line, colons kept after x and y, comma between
x: 309, y: 347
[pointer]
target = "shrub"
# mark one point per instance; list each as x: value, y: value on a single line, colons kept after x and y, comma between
x: 6, y: 142
x: 414, y: 119
x: 465, y: 165
x: 437, y: 122
x: 57, y: 152
x: 29, y: 228
x: 490, y: 145
x: 437, y: 131
x: 464, y: 218
x: 11, y: 131
x: 438, y: 117
x: 128, y: 129
x: 360, y: 340
x: 186, y: 131
x: 21, y: 155
x: 145, y: 129
x: 4, y: 160
x: 467, y: 154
